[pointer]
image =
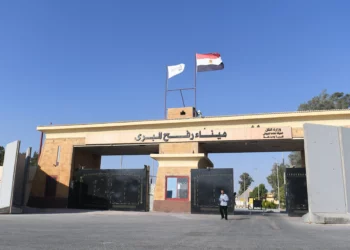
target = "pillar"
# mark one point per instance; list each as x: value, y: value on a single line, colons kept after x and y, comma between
x: 173, y: 184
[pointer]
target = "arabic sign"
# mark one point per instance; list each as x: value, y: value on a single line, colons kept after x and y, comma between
x: 197, y: 134
x: 273, y: 133
x: 189, y: 135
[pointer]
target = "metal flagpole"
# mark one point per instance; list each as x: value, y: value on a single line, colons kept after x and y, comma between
x: 166, y: 91
x: 183, y: 101
x: 195, y: 82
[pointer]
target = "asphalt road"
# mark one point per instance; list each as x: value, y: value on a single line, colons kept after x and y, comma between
x: 129, y: 230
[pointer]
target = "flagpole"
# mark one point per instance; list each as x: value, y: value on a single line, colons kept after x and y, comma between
x: 166, y: 91
x: 195, y: 82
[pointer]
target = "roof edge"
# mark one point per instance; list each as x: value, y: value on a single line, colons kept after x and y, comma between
x: 193, y: 120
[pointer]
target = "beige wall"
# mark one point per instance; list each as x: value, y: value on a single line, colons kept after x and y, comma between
x: 179, y: 148
x: 175, y: 166
x: 86, y: 160
x: 159, y: 192
x: 296, y: 120
x: 47, y: 166
x: 297, y: 132
x: 181, y: 170
x: 176, y: 113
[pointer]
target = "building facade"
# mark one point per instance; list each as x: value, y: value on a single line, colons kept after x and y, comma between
x: 180, y: 143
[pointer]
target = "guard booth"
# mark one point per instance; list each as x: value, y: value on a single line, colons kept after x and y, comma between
x: 117, y: 189
x: 254, y: 203
x: 296, y: 192
x: 206, y: 185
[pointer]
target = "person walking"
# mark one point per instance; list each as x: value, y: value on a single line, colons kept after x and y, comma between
x: 223, y: 204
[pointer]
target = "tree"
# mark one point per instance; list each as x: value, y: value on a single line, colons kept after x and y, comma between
x: 295, y: 159
x: 324, y: 101
x: 273, y: 181
x: 258, y: 192
x: 245, y: 181
x: 34, y: 159
x: 2, y: 155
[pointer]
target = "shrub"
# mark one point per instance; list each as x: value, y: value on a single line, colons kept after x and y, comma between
x: 267, y: 204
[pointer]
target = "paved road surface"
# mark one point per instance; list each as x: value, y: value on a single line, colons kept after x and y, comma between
x: 128, y: 230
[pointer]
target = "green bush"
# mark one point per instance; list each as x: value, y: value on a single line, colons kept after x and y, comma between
x: 267, y: 204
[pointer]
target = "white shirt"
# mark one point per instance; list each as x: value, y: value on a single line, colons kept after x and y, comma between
x: 223, y: 200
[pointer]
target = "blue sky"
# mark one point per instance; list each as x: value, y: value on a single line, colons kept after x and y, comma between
x: 100, y: 61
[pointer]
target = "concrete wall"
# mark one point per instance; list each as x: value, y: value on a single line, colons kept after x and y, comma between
x: 19, y: 178
x: 30, y: 178
x: 13, y: 181
x: 8, y: 176
x: 151, y: 196
x: 0, y: 176
x: 327, y: 157
x: 345, y: 144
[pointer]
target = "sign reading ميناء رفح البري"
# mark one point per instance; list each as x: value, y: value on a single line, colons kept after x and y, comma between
x: 188, y: 135
x: 269, y: 133
x: 178, y: 135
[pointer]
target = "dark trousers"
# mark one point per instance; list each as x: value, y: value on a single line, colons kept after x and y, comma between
x: 223, y: 212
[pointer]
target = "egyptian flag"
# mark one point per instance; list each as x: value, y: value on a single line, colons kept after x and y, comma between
x: 209, y: 62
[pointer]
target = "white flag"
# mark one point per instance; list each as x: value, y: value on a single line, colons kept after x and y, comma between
x: 175, y: 70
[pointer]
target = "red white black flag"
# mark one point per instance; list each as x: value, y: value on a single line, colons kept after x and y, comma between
x: 209, y: 62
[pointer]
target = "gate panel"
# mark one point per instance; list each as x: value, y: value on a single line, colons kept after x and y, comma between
x: 296, y: 191
x: 206, y: 185
x: 120, y: 189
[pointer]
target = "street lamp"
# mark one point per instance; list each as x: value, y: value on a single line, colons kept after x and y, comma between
x: 256, y: 169
x: 245, y: 195
x: 278, y: 186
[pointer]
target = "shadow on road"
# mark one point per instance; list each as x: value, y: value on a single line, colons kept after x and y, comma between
x: 258, y: 212
x: 243, y: 218
x: 30, y: 210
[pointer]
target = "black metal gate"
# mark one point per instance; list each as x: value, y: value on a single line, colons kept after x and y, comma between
x: 206, y: 185
x: 296, y: 192
x: 120, y: 189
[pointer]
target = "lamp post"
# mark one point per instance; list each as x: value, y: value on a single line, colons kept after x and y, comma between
x: 245, y: 196
x: 256, y: 169
x: 278, y: 186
